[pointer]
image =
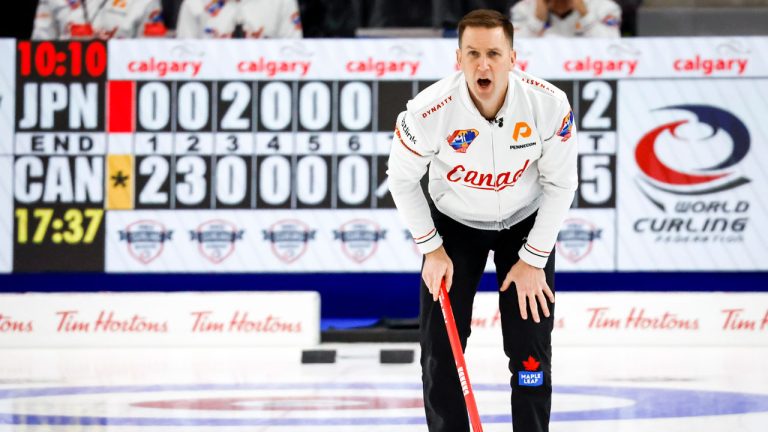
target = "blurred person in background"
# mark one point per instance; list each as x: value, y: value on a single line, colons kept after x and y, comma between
x: 590, y: 18
x: 330, y: 18
x: 447, y: 13
x: 204, y: 19
x: 19, y: 25
x: 98, y: 19
x: 629, y: 16
x: 170, y: 14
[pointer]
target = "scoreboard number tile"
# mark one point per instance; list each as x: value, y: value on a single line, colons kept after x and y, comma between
x: 356, y: 106
x: 153, y: 106
x: 232, y: 178
x: 594, y: 104
x: 276, y: 106
x: 153, y: 143
x: 153, y: 185
x: 274, y: 143
x: 315, y: 106
x: 240, y: 143
x: 193, y: 143
x: 194, y: 106
x: 314, y: 143
x: 192, y: 181
x: 235, y: 106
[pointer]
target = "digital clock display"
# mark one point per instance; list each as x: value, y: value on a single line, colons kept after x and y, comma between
x: 70, y: 226
x: 58, y: 162
x: 60, y: 59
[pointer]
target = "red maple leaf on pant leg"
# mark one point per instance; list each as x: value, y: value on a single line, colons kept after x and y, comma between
x: 531, y: 364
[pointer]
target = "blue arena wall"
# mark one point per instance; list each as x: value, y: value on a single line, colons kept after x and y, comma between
x: 369, y: 295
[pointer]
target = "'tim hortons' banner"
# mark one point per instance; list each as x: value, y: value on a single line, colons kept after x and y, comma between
x: 270, y: 156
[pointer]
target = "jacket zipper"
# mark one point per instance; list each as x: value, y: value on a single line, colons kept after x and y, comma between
x: 495, y: 177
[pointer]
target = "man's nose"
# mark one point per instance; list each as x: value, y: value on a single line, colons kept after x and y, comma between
x: 484, y: 63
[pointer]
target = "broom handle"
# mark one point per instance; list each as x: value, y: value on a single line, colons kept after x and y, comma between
x: 458, y: 356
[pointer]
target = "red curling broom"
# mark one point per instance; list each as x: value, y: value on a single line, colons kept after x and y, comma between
x: 458, y: 356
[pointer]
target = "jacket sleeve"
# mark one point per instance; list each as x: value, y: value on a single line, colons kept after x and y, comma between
x: 408, y: 160
x: 523, y: 16
x: 45, y: 24
x: 188, y: 25
x: 558, y: 178
x: 602, y: 20
x: 150, y: 22
x: 289, y: 20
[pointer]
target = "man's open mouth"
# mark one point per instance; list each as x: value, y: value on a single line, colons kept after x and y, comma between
x: 484, y: 82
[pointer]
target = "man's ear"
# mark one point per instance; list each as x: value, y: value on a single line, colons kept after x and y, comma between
x: 513, y: 57
x: 458, y: 56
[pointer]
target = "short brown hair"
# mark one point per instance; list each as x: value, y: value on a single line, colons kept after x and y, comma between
x: 489, y: 19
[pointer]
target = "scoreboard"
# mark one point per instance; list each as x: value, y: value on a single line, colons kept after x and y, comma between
x: 248, y: 156
x: 59, y: 156
x: 266, y: 145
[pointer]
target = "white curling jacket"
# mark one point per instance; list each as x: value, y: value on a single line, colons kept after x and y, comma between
x: 102, y: 19
x: 486, y: 174
x: 203, y: 19
x: 602, y: 20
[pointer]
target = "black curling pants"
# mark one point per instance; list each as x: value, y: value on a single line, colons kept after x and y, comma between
x: 468, y: 248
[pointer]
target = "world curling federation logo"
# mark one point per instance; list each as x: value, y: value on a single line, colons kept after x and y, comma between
x: 575, y: 240
x: 289, y: 239
x: 216, y: 239
x: 145, y: 239
x: 715, y: 126
x: 686, y: 164
x: 359, y: 239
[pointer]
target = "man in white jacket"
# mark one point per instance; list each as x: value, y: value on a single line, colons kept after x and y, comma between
x: 102, y: 19
x: 500, y: 148
x: 590, y: 18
